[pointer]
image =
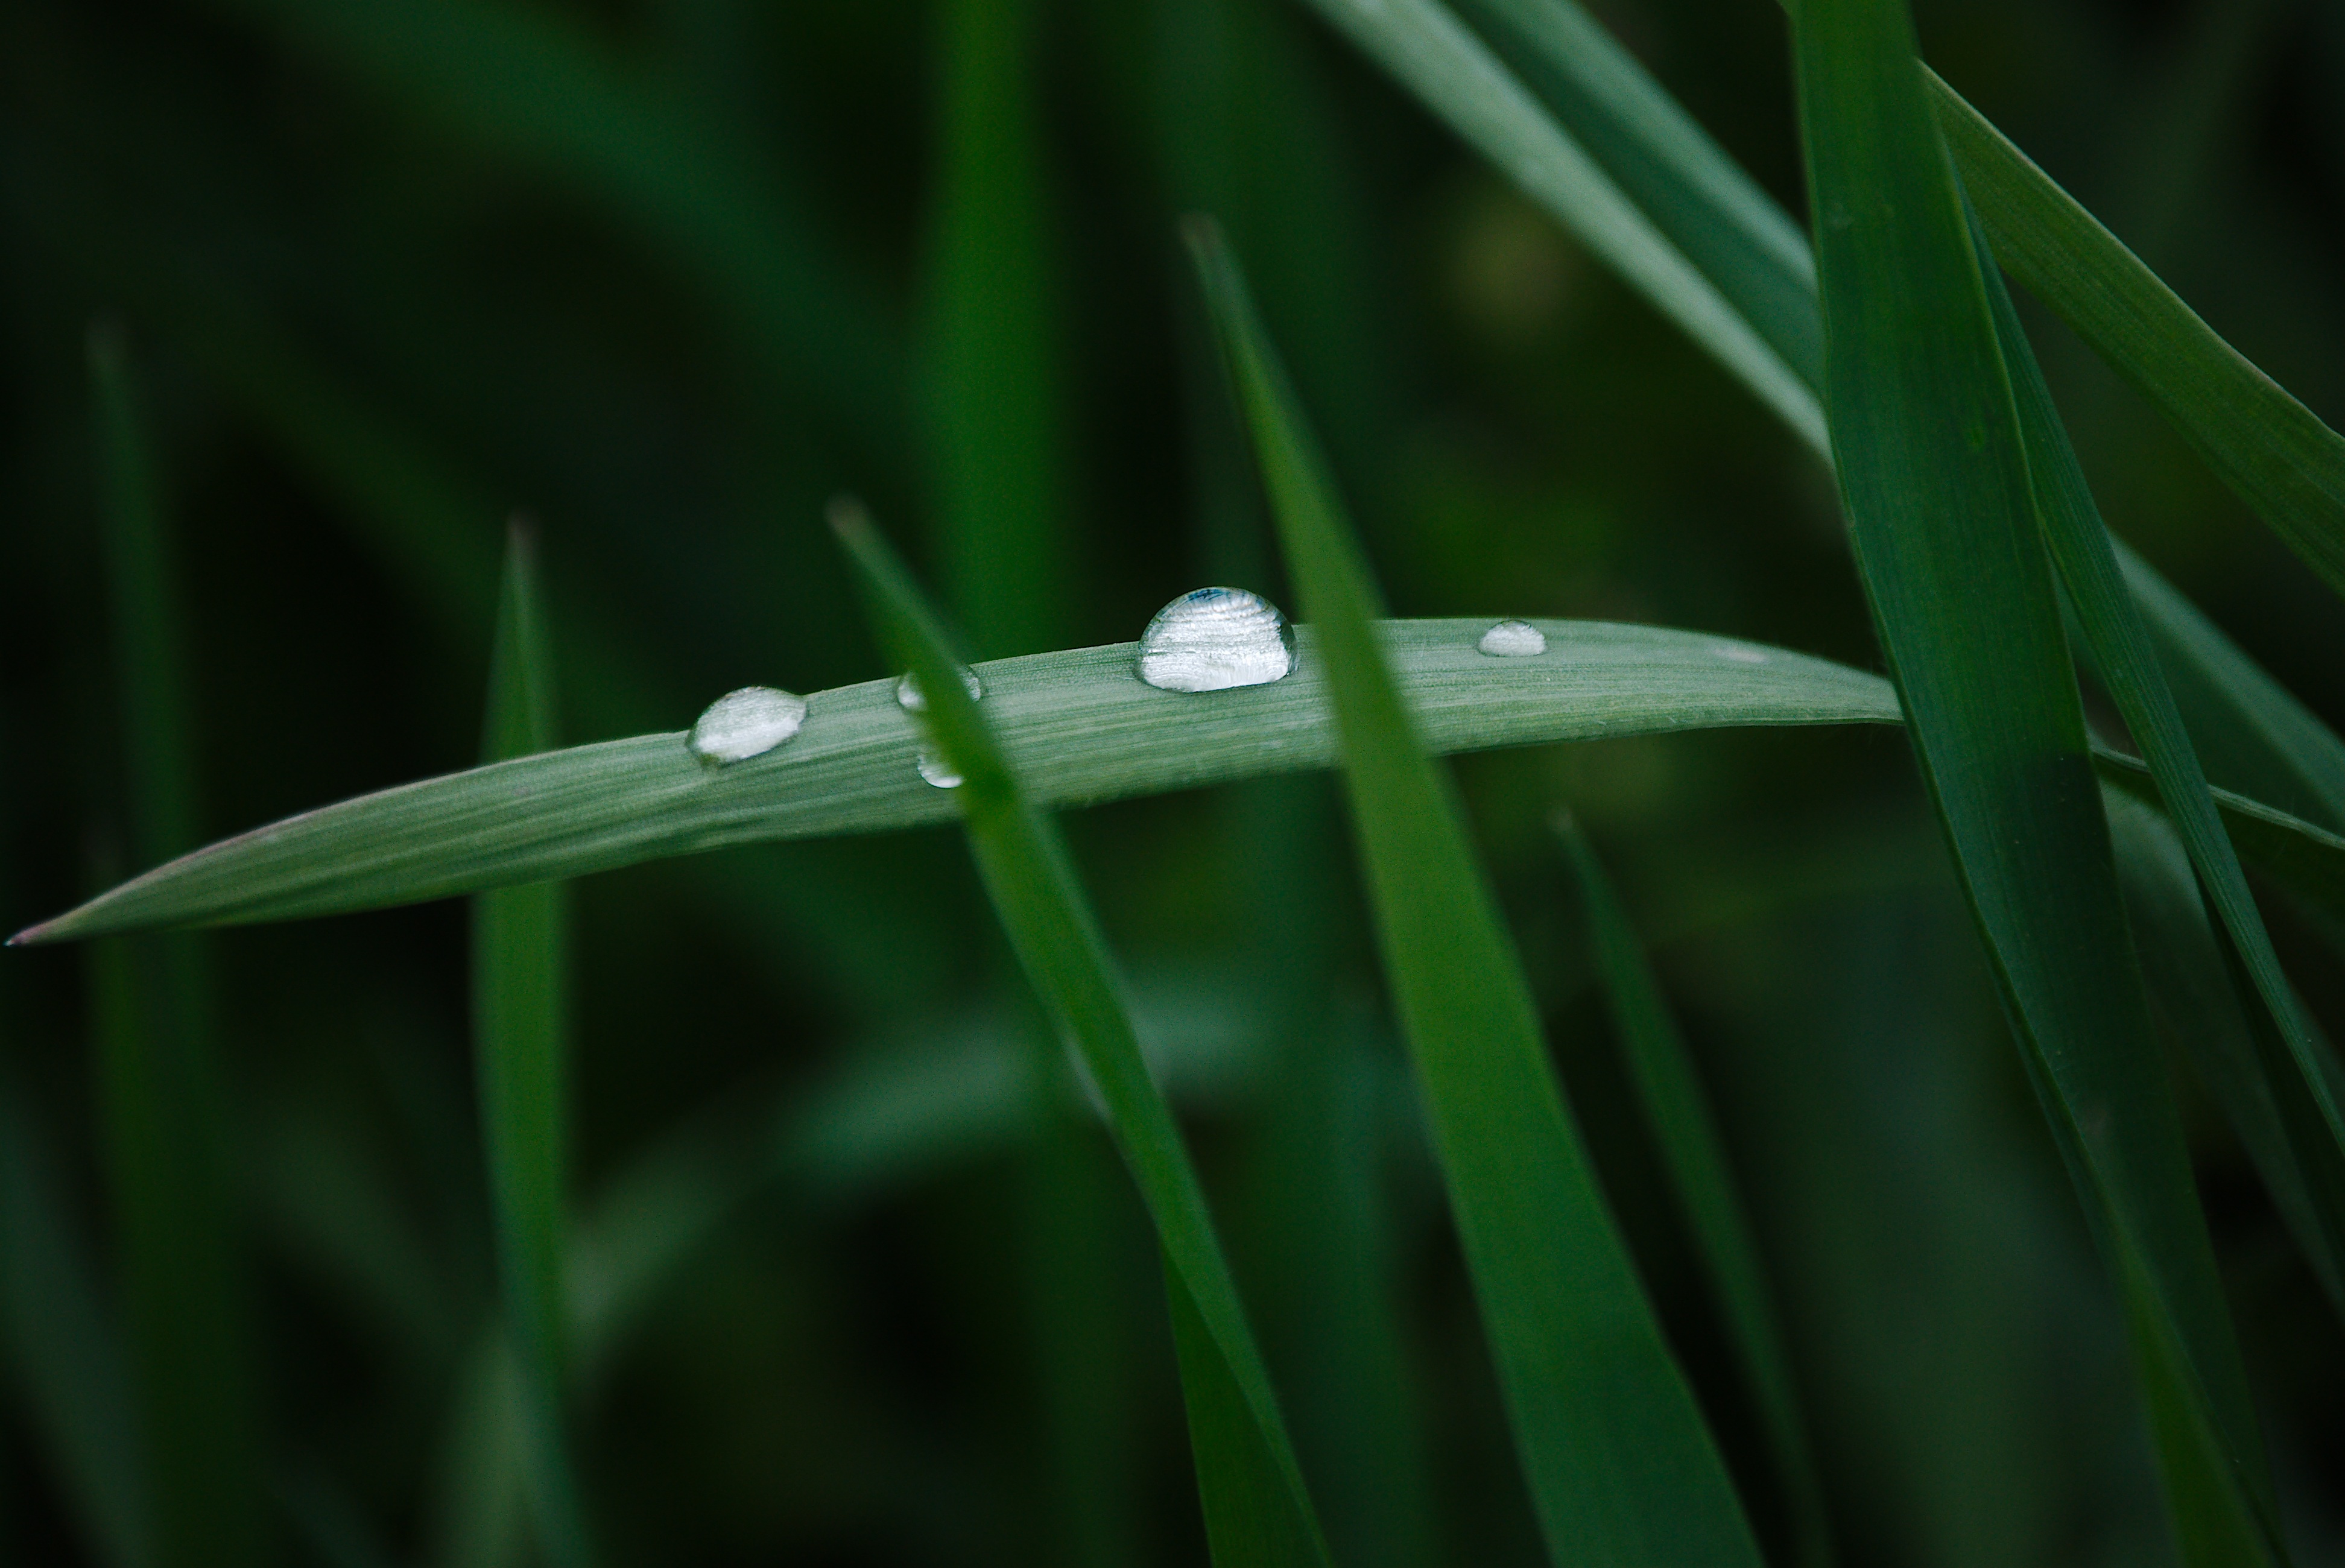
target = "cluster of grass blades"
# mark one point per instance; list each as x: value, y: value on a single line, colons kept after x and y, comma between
x: 2106, y: 888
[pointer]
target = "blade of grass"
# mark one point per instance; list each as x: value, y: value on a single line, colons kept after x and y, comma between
x: 1934, y: 480
x: 993, y: 341
x: 1699, y: 198
x: 1256, y: 1508
x: 2269, y: 447
x: 2309, y: 861
x: 518, y: 979
x: 1437, y: 58
x: 1679, y: 1113
x: 2119, y: 638
x: 1619, y: 1465
x: 2193, y: 991
x: 1081, y: 728
x: 161, y: 1105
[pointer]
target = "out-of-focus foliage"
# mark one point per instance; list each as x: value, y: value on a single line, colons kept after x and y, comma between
x: 668, y: 274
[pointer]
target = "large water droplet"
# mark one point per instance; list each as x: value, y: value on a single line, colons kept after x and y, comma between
x: 1214, y: 639
x: 1513, y: 640
x: 936, y: 769
x: 909, y: 695
x: 745, y: 724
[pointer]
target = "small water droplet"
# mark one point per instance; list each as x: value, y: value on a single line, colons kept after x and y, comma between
x: 1214, y: 639
x: 1740, y: 655
x: 908, y: 697
x: 745, y: 724
x: 935, y: 769
x: 1513, y: 640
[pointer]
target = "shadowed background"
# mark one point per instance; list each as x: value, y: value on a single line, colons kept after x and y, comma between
x: 668, y: 275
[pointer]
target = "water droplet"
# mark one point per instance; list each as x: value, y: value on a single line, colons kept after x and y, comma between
x: 935, y: 769
x: 745, y: 724
x: 1214, y: 639
x: 1513, y: 640
x: 908, y: 697
x: 1740, y: 655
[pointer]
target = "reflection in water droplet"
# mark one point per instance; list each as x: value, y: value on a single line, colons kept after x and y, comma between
x: 745, y: 724
x: 935, y: 769
x: 1740, y: 655
x: 1214, y: 639
x: 1513, y: 640
x: 908, y: 691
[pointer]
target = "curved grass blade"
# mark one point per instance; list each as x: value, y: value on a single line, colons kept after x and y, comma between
x: 1432, y: 54
x: 1700, y: 199
x: 1079, y: 725
x: 2192, y: 988
x: 166, y: 1146
x: 1934, y: 480
x: 1694, y: 1153
x: 1257, y: 1508
x: 2270, y: 450
x: 2308, y: 860
x: 2119, y: 638
x: 1619, y: 1465
x: 518, y: 979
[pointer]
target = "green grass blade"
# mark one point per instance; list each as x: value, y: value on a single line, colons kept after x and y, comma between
x: 165, y: 1146
x: 68, y: 1367
x: 1663, y: 161
x: 993, y: 346
x: 518, y: 983
x: 1432, y: 54
x: 2192, y: 988
x: 1934, y: 478
x: 1080, y: 726
x: 1619, y: 1465
x: 1256, y: 1508
x: 2271, y: 450
x: 1678, y: 1111
x: 2118, y: 637
x: 2306, y: 859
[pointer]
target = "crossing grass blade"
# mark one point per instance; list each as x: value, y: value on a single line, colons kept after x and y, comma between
x: 1435, y: 57
x: 1257, y: 1508
x: 2119, y: 638
x: 1619, y: 1465
x: 1678, y: 1112
x: 2191, y: 987
x: 2274, y: 452
x: 2306, y: 859
x: 166, y: 1148
x: 1081, y: 727
x: 1934, y: 480
x: 519, y: 976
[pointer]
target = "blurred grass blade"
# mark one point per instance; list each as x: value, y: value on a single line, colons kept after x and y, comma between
x: 1699, y: 198
x: 519, y: 977
x: 1080, y: 728
x: 1694, y: 1153
x: 68, y: 1367
x: 2192, y: 988
x: 993, y: 345
x: 2119, y: 638
x: 1933, y: 477
x: 532, y: 85
x: 1256, y: 1508
x: 1432, y: 54
x: 2306, y: 859
x: 1619, y: 1465
x: 2271, y: 450
x: 159, y: 1101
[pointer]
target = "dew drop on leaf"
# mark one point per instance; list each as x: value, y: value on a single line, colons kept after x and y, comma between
x: 1214, y: 639
x: 1513, y: 640
x: 908, y: 691
x: 936, y: 769
x: 745, y: 724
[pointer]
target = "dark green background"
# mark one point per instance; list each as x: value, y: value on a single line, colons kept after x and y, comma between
x: 669, y: 274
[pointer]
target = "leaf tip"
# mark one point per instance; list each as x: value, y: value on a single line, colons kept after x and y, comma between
x: 849, y: 517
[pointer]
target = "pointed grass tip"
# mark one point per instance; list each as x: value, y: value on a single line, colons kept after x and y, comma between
x: 848, y: 516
